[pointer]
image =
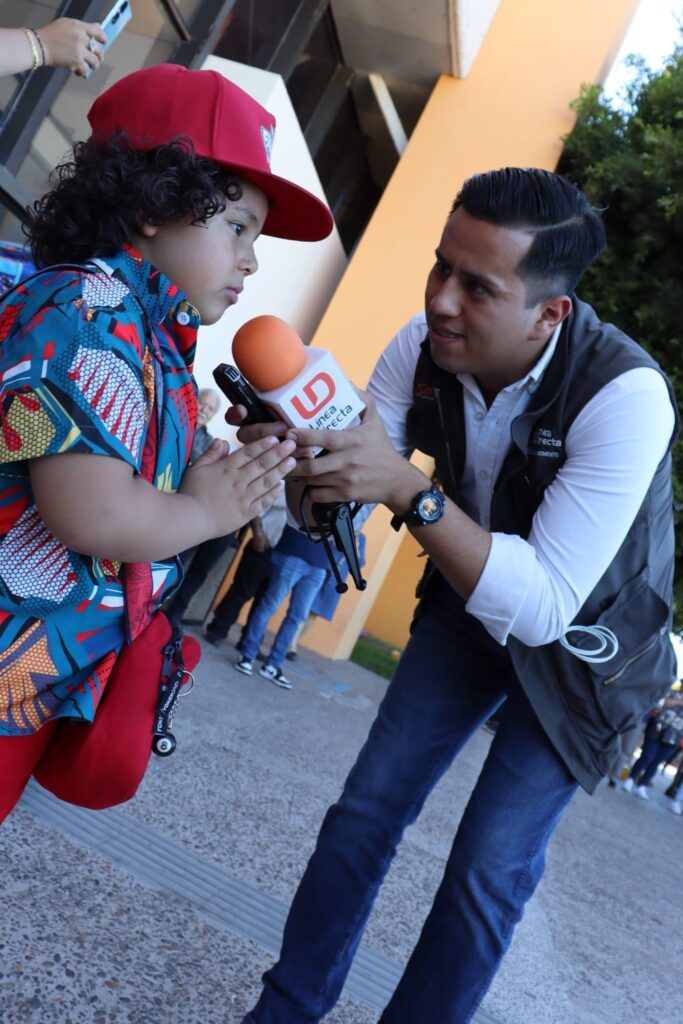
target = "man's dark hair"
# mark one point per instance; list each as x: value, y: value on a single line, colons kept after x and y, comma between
x: 103, y: 194
x: 568, y: 233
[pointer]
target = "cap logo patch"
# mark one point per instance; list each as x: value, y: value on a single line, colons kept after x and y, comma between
x: 267, y: 135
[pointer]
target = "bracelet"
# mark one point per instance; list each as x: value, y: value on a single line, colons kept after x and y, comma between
x: 42, y: 48
x: 37, y: 51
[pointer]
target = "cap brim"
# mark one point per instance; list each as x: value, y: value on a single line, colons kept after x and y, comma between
x: 294, y: 213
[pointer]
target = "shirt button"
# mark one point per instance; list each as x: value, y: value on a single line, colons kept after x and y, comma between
x: 183, y: 318
x: 479, y: 415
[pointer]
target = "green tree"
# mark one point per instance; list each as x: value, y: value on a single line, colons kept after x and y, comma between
x: 629, y: 161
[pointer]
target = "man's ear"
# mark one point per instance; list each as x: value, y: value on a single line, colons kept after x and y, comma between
x: 551, y: 312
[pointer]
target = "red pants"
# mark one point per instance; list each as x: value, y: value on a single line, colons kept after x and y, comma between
x: 19, y: 756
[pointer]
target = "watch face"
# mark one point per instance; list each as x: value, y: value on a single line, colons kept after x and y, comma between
x: 430, y: 507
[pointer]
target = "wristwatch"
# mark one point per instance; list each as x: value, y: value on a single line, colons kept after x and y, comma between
x: 426, y: 507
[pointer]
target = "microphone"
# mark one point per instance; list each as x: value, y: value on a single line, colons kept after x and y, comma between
x: 305, y: 388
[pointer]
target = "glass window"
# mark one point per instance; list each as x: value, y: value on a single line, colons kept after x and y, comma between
x: 253, y: 30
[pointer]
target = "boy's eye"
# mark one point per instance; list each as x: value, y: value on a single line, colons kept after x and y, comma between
x: 442, y: 267
x: 237, y: 228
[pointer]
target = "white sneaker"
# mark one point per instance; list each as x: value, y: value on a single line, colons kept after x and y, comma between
x: 275, y: 676
x: 244, y: 665
x: 676, y: 807
x: 627, y: 784
x: 641, y: 792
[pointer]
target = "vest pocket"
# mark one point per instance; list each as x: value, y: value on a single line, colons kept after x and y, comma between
x: 644, y: 667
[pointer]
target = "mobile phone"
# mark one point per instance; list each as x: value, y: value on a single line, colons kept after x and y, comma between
x: 113, y: 24
x: 239, y: 392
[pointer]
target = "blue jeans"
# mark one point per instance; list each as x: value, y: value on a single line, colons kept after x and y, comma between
x: 289, y: 573
x: 449, y: 680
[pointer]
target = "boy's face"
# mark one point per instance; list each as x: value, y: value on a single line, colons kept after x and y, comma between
x: 209, y: 261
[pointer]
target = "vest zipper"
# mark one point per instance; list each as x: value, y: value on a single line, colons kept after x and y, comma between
x: 634, y: 657
x: 437, y: 396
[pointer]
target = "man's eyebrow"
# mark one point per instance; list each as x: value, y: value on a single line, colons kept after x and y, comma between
x: 488, y: 282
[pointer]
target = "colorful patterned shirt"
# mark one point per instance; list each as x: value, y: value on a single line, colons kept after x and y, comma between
x: 82, y: 369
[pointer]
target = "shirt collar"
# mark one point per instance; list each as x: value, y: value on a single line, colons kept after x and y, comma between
x: 157, y: 293
x: 161, y: 299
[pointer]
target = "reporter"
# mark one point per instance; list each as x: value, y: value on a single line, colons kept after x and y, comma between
x: 552, y: 433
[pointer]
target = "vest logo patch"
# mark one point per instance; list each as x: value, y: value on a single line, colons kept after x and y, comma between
x: 544, y: 445
x: 424, y: 390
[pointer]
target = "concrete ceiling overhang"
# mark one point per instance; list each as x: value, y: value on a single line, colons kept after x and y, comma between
x: 413, y: 41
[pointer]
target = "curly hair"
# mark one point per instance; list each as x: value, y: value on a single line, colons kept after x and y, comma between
x: 103, y: 193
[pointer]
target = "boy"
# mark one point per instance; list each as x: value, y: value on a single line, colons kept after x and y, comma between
x: 163, y: 203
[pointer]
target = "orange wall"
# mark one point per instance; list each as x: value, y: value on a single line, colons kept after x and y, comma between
x: 512, y: 109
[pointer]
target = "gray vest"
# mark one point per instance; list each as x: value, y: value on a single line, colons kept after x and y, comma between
x: 582, y: 707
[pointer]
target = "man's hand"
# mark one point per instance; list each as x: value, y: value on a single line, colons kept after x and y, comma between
x: 360, y: 464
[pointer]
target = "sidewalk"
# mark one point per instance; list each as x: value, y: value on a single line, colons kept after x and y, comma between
x: 168, y: 909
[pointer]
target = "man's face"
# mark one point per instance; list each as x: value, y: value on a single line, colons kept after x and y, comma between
x: 475, y: 304
x: 207, y: 407
x: 209, y: 261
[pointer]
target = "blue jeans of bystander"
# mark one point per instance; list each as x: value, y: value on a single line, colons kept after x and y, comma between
x: 288, y: 573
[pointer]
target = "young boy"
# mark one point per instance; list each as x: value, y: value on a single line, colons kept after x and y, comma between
x: 163, y: 203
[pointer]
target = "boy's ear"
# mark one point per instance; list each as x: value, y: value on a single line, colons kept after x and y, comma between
x: 148, y: 230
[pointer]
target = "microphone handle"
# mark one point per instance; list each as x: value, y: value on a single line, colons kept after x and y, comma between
x: 336, y: 518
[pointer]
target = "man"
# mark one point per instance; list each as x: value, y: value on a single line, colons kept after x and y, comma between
x: 208, y: 404
x: 551, y: 434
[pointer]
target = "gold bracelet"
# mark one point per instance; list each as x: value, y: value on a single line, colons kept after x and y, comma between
x: 36, y: 49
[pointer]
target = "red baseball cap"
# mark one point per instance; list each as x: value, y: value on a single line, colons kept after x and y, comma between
x: 157, y: 104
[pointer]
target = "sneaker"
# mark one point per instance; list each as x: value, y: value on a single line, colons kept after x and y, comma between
x: 611, y: 783
x: 291, y: 655
x: 641, y: 792
x: 676, y: 807
x: 627, y: 784
x: 275, y: 676
x: 244, y: 665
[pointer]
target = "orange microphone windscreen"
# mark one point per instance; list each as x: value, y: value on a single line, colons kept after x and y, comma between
x: 268, y: 352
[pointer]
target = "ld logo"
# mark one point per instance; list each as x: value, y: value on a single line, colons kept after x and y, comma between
x: 315, y: 399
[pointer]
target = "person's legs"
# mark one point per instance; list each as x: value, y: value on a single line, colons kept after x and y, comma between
x: 448, y: 681
x: 646, y: 761
x: 303, y: 595
x: 661, y: 752
x: 19, y: 756
x: 286, y: 571
x: 496, y: 862
x: 206, y: 556
x: 253, y: 570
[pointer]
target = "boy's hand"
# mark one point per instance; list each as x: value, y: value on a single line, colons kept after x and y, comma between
x: 231, y: 489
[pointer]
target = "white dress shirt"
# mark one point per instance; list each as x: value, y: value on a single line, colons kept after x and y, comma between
x: 532, y: 589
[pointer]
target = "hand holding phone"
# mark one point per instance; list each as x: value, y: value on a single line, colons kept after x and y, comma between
x: 113, y: 25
